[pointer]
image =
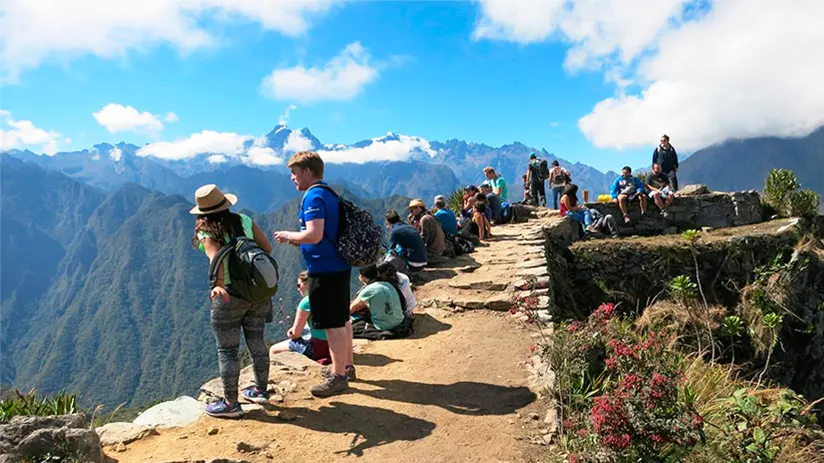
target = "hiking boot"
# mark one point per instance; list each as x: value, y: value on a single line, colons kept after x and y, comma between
x: 255, y: 395
x: 330, y: 386
x: 223, y: 409
x: 350, y: 372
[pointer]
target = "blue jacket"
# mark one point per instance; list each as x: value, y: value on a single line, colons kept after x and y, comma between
x: 621, y: 182
x: 405, y: 236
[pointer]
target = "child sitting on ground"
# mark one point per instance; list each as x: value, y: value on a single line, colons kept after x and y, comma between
x: 309, y: 342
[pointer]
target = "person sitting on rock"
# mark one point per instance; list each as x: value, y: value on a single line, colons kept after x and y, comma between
x: 577, y: 212
x: 603, y: 224
x: 430, y: 230
x: 302, y: 339
x: 660, y: 190
x: 480, y: 198
x: 446, y: 217
x: 404, y: 236
x: 625, y: 189
x: 497, y: 183
x: 527, y: 196
x: 480, y: 225
x: 469, y: 201
x: 495, y: 205
x: 378, y: 308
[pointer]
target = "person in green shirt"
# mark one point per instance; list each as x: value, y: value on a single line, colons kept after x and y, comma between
x: 497, y: 182
x: 380, y: 301
x: 310, y: 342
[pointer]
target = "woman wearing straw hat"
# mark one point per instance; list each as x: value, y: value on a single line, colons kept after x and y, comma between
x: 214, y: 226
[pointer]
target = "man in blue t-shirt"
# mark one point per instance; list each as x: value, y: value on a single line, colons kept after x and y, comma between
x: 446, y: 217
x: 329, y: 273
x: 408, y: 239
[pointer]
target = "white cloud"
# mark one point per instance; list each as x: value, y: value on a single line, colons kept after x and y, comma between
x: 115, y: 154
x: 296, y: 142
x: 34, y: 31
x: 381, y: 149
x: 340, y: 79
x: 220, y: 146
x: 696, y: 70
x: 171, y: 118
x: 262, y: 156
x: 207, y: 141
x: 721, y: 77
x: 24, y: 134
x: 283, y: 119
x: 118, y: 118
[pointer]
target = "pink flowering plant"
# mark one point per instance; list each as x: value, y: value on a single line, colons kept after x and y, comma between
x: 621, y: 393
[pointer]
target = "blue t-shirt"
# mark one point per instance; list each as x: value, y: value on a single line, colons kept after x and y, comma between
x: 447, y: 220
x: 319, y: 203
x: 405, y: 236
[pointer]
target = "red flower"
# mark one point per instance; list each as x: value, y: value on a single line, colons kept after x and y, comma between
x: 573, y: 327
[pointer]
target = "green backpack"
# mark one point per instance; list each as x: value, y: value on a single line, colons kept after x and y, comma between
x: 254, y: 272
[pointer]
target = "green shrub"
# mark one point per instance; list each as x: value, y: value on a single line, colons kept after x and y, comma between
x: 34, y: 404
x: 804, y: 203
x: 779, y: 186
x: 683, y: 289
x: 454, y: 201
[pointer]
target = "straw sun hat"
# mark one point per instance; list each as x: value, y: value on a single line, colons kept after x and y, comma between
x: 209, y: 199
x: 417, y: 203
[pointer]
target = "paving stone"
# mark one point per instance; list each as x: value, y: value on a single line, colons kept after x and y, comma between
x: 537, y: 272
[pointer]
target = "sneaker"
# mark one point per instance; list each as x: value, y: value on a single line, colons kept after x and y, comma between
x: 255, y: 395
x: 350, y: 372
x: 223, y: 409
x: 330, y: 386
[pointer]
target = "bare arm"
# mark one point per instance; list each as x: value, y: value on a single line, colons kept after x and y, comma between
x: 212, y: 248
x: 261, y: 239
x: 301, y: 317
x: 357, y: 305
x: 312, y: 235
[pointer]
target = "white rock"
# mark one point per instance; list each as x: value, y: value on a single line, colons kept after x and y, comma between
x: 180, y: 412
x: 123, y: 433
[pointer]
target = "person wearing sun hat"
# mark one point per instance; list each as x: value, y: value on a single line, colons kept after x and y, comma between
x: 429, y: 228
x: 215, y: 224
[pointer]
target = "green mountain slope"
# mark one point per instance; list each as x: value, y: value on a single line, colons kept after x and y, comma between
x: 117, y: 307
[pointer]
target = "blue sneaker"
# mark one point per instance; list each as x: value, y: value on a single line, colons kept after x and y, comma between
x: 223, y: 409
x: 255, y: 395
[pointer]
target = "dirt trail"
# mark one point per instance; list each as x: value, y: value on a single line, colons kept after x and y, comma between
x: 455, y: 392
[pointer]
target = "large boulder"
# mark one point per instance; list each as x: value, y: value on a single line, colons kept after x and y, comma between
x: 32, y: 437
x: 180, y: 412
x: 692, y: 190
x: 123, y: 433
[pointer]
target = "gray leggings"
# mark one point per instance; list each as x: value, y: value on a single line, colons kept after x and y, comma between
x: 227, y: 320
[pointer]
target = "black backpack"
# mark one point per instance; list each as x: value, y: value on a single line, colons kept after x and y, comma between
x: 543, y: 169
x: 359, y: 237
x: 254, y: 273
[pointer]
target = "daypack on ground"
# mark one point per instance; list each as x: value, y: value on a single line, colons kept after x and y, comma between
x: 543, y: 169
x: 359, y: 237
x: 254, y: 273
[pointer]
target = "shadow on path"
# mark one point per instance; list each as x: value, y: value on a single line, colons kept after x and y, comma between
x: 374, y: 360
x: 370, y: 426
x: 463, y: 398
x: 427, y: 325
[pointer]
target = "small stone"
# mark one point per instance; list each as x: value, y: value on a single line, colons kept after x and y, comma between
x: 212, y: 431
x: 287, y: 386
x: 276, y: 398
x: 183, y: 437
x: 285, y: 416
x: 534, y: 416
x: 548, y: 438
x: 120, y: 447
x: 510, y: 421
x: 544, y: 431
x: 247, y: 447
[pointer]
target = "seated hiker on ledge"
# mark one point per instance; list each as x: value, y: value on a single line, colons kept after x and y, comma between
x: 479, y: 225
x: 378, y: 308
x: 215, y: 226
x: 577, y: 212
x: 430, y: 229
x: 527, y: 197
x: 404, y: 236
x: 469, y: 201
x: 625, y: 189
x: 309, y: 342
x: 446, y: 217
x: 603, y: 224
x: 497, y: 183
x: 659, y: 189
x: 494, y: 202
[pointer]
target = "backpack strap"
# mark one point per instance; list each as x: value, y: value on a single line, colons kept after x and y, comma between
x: 340, y: 208
x: 214, y: 265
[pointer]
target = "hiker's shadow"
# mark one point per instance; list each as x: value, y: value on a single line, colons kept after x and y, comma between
x: 370, y: 426
x: 374, y: 360
x: 427, y: 325
x: 463, y: 398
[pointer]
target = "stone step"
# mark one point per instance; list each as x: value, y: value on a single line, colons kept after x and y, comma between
x: 536, y: 272
x: 525, y: 284
x: 487, y: 285
x: 531, y: 263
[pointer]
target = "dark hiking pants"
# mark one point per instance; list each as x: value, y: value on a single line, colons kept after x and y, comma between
x: 228, y: 318
x: 538, y: 194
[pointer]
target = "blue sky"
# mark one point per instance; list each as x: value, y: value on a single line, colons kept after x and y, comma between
x: 477, y: 71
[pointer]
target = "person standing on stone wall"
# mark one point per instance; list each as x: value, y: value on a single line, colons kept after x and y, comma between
x: 667, y: 158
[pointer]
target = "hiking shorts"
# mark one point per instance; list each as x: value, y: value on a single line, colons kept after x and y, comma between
x: 329, y: 299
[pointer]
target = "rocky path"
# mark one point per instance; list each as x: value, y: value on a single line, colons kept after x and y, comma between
x: 456, y: 391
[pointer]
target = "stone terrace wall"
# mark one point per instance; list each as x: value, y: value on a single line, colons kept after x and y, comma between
x: 715, y: 210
